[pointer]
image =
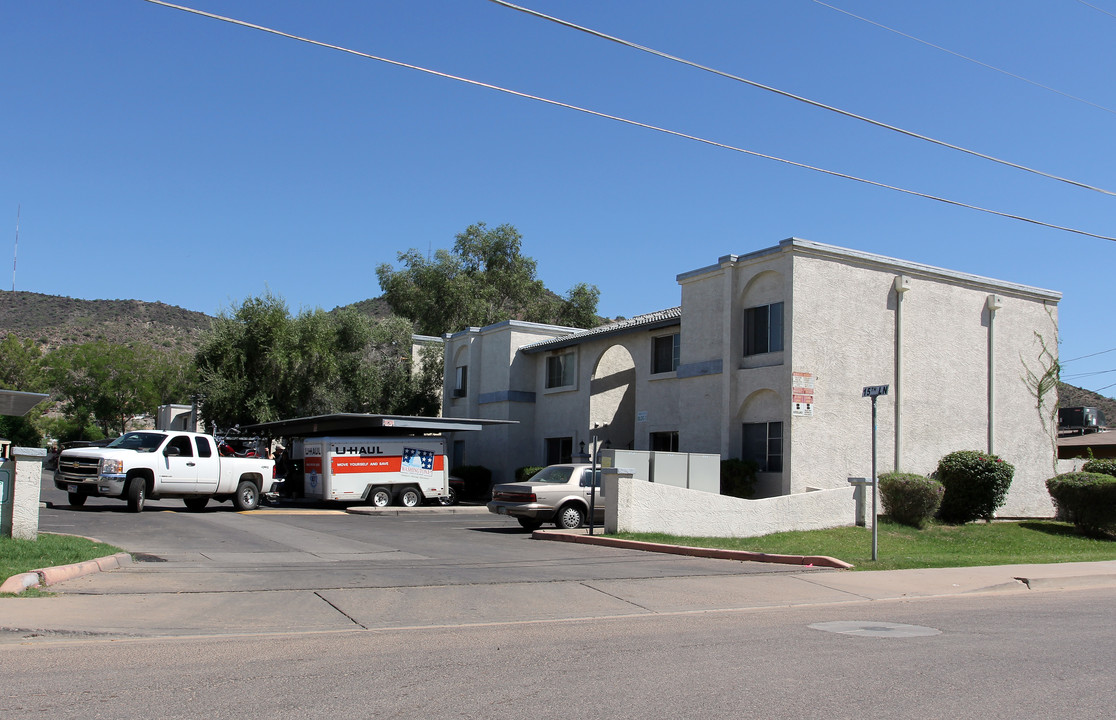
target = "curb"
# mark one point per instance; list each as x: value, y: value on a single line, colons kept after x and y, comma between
x: 49, y: 576
x: 715, y: 553
x: 429, y: 510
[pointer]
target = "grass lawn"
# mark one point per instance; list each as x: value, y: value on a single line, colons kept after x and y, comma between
x: 20, y: 556
x: 998, y: 543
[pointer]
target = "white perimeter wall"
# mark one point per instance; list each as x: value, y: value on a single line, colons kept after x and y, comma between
x: 638, y: 506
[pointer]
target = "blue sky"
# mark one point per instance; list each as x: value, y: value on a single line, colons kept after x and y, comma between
x: 163, y: 156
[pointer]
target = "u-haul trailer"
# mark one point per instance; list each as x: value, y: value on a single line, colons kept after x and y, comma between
x: 377, y: 470
x: 378, y: 459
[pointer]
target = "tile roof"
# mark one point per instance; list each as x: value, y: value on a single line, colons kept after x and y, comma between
x: 650, y: 321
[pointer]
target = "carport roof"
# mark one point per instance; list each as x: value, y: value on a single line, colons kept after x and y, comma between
x: 15, y: 402
x: 364, y: 423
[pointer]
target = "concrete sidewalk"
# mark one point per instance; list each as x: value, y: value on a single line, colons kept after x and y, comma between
x: 75, y: 614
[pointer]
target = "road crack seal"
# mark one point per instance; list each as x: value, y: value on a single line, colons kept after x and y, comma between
x: 617, y: 597
x: 332, y: 605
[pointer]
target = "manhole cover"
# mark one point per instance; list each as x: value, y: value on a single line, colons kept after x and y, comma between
x: 870, y: 628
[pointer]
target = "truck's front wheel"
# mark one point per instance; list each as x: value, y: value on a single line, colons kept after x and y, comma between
x: 137, y: 493
x: 247, y: 496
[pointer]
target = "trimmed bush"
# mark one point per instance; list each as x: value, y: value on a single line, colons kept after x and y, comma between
x: 525, y: 472
x: 478, y: 480
x: 1104, y: 466
x: 738, y: 478
x: 1086, y: 499
x: 976, y: 485
x: 910, y: 499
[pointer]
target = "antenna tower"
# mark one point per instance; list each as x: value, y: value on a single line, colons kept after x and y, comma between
x: 15, y: 254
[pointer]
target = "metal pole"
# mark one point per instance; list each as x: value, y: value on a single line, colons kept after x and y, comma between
x: 593, y: 475
x: 875, y: 489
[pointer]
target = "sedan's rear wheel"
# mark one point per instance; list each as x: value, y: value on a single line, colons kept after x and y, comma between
x: 570, y: 517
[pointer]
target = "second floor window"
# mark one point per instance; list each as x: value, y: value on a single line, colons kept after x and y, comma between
x: 461, y: 381
x: 560, y: 370
x: 763, y: 329
x: 665, y: 351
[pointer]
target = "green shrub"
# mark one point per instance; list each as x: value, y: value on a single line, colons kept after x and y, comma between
x: 526, y: 472
x: 738, y: 478
x: 1086, y: 499
x: 976, y: 484
x: 910, y: 499
x: 478, y: 480
x: 1104, y: 466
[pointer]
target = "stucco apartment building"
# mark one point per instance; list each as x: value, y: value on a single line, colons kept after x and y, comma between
x: 766, y: 359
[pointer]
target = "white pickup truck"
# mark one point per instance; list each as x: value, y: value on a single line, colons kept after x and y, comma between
x: 157, y: 464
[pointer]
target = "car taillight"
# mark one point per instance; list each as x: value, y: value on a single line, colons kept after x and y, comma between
x: 516, y: 497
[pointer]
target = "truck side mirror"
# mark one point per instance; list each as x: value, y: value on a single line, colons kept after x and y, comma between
x: 172, y: 450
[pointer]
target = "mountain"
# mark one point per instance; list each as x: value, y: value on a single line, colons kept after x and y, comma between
x: 53, y: 321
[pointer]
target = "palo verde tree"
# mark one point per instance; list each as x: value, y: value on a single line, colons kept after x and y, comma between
x: 259, y: 363
x: 485, y: 279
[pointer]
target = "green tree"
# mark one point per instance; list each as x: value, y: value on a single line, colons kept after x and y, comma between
x: 485, y: 279
x: 20, y: 365
x: 259, y: 364
x: 109, y: 383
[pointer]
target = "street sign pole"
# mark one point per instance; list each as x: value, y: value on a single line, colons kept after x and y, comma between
x: 874, y: 391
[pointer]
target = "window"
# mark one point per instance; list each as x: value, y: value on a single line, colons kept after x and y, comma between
x: 461, y: 381
x: 204, y: 449
x: 182, y: 443
x: 665, y: 351
x: 763, y: 329
x: 763, y: 445
x: 560, y: 370
x: 665, y: 441
x: 559, y: 450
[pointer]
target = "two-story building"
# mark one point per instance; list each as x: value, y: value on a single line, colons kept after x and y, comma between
x: 766, y: 359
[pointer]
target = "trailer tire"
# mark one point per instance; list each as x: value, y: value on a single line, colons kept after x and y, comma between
x: 379, y: 497
x: 247, y: 496
x: 529, y: 523
x: 76, y: 499
x: 410, y: 497
x: 137, y: 493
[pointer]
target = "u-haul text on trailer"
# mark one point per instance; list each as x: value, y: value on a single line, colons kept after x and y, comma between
x: 380, y: 471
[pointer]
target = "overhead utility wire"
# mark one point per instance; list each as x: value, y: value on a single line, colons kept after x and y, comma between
x: 1102, y: 352
x: 966, y: 57
x: 626, y: 121
x: 799, y: 98
x: 1098, y: 9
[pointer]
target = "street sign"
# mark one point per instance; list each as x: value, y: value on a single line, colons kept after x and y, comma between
x: 875, y: 390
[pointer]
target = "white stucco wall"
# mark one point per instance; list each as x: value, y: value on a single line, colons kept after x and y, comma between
x: 638, y: 506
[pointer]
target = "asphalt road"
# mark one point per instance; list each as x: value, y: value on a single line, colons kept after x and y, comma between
x: 291, y: 613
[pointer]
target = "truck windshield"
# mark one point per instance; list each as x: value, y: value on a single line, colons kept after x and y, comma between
x: 140, y: 441
x: 553, y: 474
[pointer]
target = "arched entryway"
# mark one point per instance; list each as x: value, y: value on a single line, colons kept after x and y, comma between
x: 612, y: 400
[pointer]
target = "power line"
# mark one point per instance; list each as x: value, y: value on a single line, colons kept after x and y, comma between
x: 1098, y: 9
x: 799, y: 98
x: 1090, y: 374
x: 1102, y: 352
x: 966, y: 57
x: 634, y: 123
